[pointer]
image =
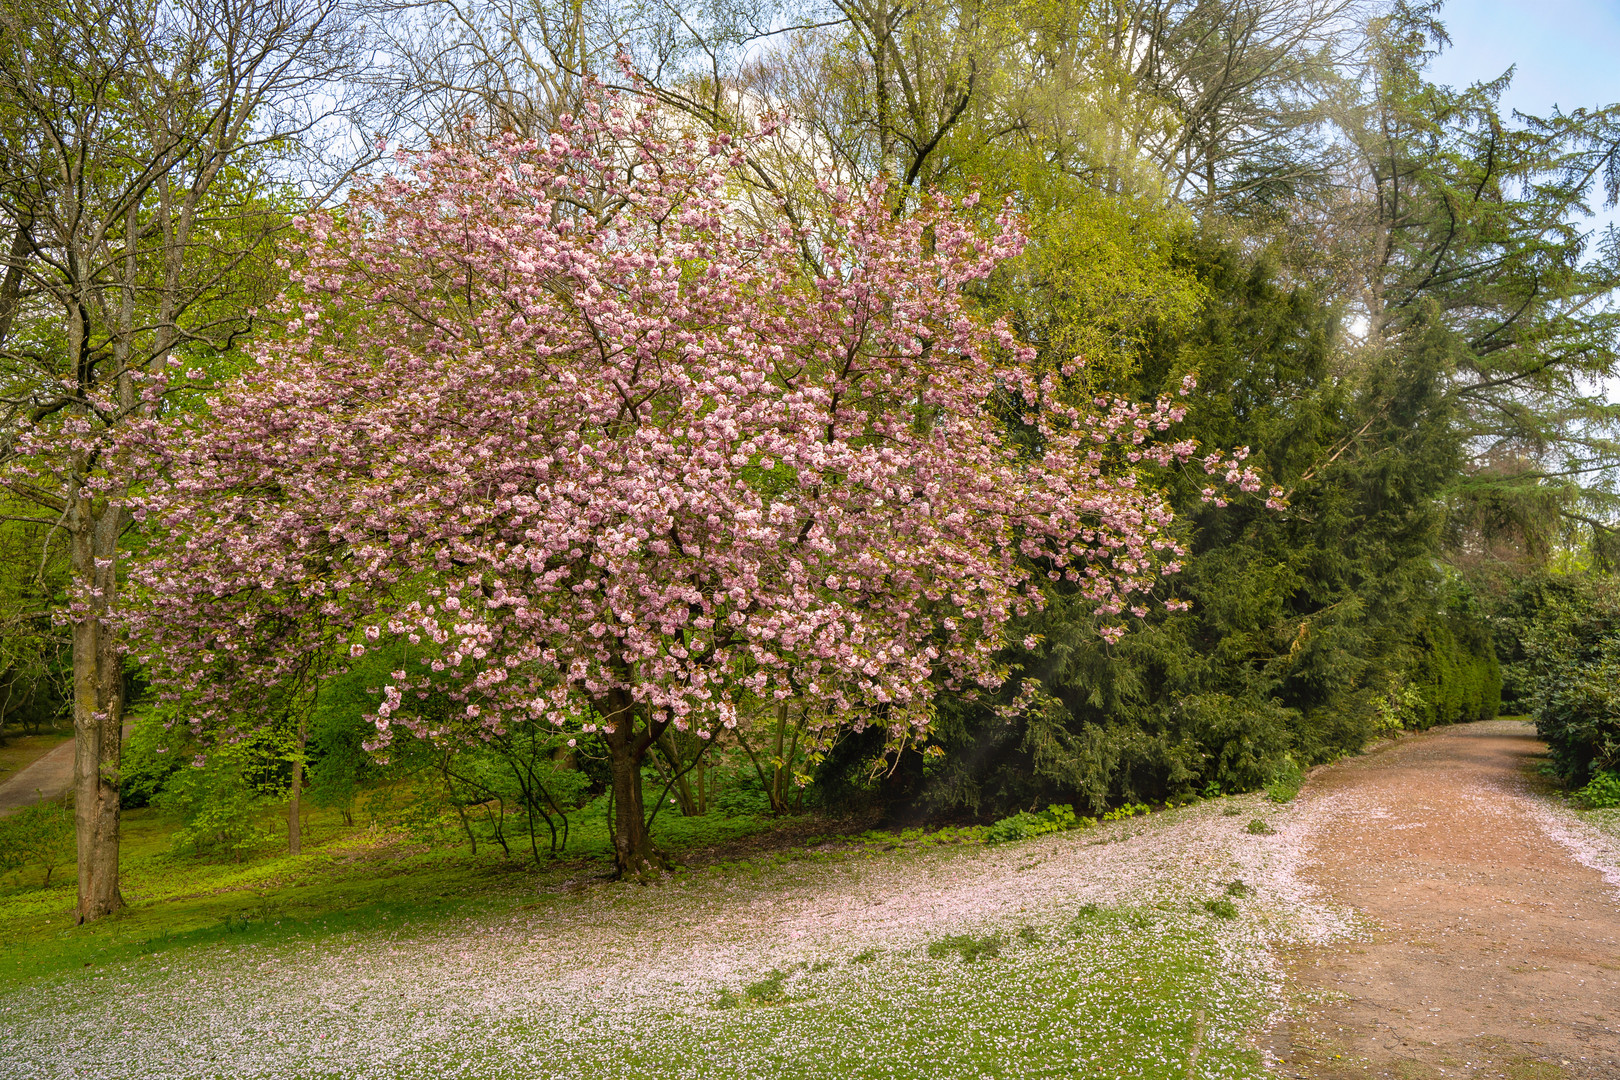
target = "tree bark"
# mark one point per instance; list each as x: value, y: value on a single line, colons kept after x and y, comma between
x: 690, y: 806
x: 98, y: 713
x: 633, y: 853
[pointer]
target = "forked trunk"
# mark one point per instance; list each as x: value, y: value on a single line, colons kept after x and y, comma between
x: 634, y: 855
x: 691, y: 805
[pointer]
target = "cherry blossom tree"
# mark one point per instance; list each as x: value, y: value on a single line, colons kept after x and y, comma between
x: 587, y: 446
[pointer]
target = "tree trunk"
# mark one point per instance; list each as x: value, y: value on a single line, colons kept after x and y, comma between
x: 633, y: 853
x: 682, y: 787
x: 98, y: 713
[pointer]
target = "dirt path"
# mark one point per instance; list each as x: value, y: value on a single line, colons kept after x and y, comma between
x: 49, y: 776
x: 1491, y: 951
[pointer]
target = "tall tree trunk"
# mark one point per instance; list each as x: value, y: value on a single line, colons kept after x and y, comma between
x: 98, y: 711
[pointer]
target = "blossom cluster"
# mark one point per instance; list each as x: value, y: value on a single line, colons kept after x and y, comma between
x: 558, y: 423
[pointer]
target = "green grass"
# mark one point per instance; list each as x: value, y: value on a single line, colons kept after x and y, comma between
x: 346, y: 879
x: 1119, y: 995
x: 1087, y: 991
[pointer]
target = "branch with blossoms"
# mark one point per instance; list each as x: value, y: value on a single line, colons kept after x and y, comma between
x: 589, y: 448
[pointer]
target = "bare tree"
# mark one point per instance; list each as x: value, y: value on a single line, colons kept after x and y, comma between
x: 137, y: 146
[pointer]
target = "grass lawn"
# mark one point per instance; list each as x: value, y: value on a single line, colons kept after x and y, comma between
x: 1139, y: 948
x: 346, y: 877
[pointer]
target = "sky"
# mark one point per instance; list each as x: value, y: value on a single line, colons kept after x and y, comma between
x: 1564, y: 53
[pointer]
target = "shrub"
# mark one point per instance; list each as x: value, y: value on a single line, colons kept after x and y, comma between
x: 1578, y: 713
x: 1572, y: 666
x: 38, y: 835
x: 1602, y: 792
x: 218, y: 808
x: 1457, y: 676
x: 1024, y: 825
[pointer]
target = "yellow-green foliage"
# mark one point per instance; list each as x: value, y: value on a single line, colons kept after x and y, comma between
x: 38, y: 836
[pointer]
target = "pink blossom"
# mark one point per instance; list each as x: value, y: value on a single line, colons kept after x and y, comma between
x: 635, y: 459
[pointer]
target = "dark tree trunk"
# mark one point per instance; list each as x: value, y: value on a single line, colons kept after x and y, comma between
x: 634, y: 855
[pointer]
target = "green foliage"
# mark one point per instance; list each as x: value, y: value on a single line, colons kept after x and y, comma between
x: 1259, y: 827
x: 1457, y: 677
x: 34, y: 673
x: 1284, y: 787
x: 1221, y: 909
x: 39, y: 835
x: 1602, y: 792
x: 1567, y: 665
x: 151, y: 755
x: 1024, y: 825
x: 968, y: 947
x: 1302, y: 619
x: 218, y: 807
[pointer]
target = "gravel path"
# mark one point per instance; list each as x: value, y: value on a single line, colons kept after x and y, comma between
x: 48, y: 777
x: 1493, y: 944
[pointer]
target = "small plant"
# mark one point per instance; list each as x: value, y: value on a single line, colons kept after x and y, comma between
x: 37, y: 835
x: 1232, y: 811
x: 1602, y: 793
x: 1025, y: 825
x: 865, y: 956
x: 1238, y: 889
x: 1259, y: 827
x: 1284, y: 787
x: 968, y: 947
x: 1129, y: 810
x: 1029, y: 935
x: 771, y: 990
x: 1221, y: 909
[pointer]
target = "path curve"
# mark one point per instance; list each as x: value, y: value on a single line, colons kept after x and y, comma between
x: 49, y: 776
x: 1493, y: 946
